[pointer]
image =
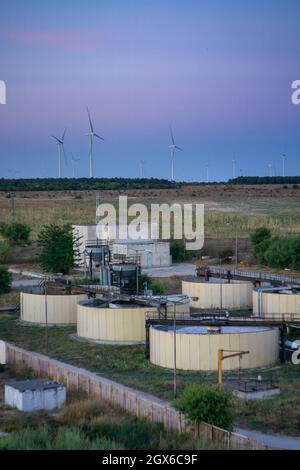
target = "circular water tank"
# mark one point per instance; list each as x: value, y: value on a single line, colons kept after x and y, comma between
x: 277, y: 304
x: 218, y: 293
x: 61, y: 309
x: 197, y: 347
x: 112, y: 322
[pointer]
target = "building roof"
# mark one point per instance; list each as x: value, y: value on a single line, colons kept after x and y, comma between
x: 34, y: 384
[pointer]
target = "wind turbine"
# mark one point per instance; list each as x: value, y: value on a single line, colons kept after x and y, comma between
x: 91, y: 136
x: 142, y: 163
x: 270, y: 166
x: 233, y: 169
x: 173, y: 147
x: 61, y: 150
x: 207, y: 170
x: 283, y: 164
x: 74, y: 162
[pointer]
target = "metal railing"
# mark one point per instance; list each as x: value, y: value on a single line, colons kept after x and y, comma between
x: 259, y: 276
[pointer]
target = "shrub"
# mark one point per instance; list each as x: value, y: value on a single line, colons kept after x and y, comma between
x: 5, y: 280
x: 145, y: 280
x: 59, y: 248
x: 178, y: 251
x: 5, y: 251
x: 225, y: 255
x: 259, y: 235
x: 211, y: 404
x: 15, y: 232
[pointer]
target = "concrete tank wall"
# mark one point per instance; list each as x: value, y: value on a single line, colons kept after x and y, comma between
x: 112, y: 324
x: 61, y: 309
x: 276, y: 305
x: 200, y: 351
x: 209, y: 295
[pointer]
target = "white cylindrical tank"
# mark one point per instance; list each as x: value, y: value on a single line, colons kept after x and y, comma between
x: 277, y: 303
x: 196, y: 349
x: 218, y: 293
x: 61, y: 309
x: 113, y: 322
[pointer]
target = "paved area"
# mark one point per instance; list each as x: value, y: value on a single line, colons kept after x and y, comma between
x: 181, y: 269
x: 274, y: 441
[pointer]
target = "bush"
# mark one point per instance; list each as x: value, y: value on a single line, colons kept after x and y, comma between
x: 211, y: 404
x: 225, y: 255
x: 5, y: 252
x: 59, y: 248
x: 259, y: 235
x: 5, y: 280
x: 178, y: 251
x: 144, y: 280
x: 15, y: 232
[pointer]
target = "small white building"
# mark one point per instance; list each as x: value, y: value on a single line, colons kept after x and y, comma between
x: 34, y: 395
x: 151, y: 252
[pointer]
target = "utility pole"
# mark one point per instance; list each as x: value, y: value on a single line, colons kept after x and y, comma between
x: 13, y: 206
x: 46, y: 315
x: 174, y: 350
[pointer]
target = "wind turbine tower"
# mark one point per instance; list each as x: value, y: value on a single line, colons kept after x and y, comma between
x: 61, y: 150
x: 91, y: 134
x: 233, y: 169
x: 142, y: 163
x: 74, y: 164
x: 283, y: 164
x: 173, y: 148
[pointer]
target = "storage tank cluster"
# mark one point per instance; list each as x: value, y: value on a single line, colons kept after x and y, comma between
x: 197, y: 348
x: 217, y: 293
x: 278, y: 303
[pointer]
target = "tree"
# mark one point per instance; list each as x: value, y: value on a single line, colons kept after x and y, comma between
x: 15, y: 232
x: 5, y: 251
x: 5, y: 280
x: 259, y: 235
x: 59, y: 248
x: 211, y: 404
x: 279, y: 253
x: 178, y: 251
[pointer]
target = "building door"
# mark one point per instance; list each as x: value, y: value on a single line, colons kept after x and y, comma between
x: 149, y: 259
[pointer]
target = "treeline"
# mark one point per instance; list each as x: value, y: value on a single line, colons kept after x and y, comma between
x: 276, y: 252
x: 265, y: 180
x: 82, y: 184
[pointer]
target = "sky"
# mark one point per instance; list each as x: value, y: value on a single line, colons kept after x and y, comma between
x: 219, y: 72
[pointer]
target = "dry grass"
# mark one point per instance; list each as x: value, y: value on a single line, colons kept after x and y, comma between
x: 228, y: 208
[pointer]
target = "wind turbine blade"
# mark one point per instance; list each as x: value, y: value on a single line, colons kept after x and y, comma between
x: 178, y: 148
x: 91, y: 125
x: 57, y: 139
x: 99, y: 136
x: 172, y: 137
x: 63, y: 136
